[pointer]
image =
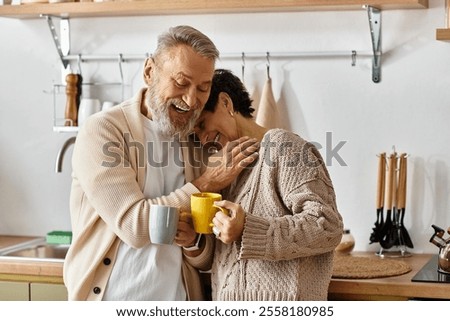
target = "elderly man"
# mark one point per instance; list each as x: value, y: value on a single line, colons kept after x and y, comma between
x: 135, y: 155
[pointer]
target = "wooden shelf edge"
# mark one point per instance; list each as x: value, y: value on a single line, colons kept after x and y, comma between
x: 443, y: 34
x: 166, y: 7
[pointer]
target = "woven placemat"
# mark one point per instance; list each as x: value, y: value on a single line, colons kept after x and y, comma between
x: 358, y: 267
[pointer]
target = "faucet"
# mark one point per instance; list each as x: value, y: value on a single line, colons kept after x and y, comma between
x: 62, y: 151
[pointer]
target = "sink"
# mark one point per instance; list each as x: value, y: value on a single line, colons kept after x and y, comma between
x: 36, y: 250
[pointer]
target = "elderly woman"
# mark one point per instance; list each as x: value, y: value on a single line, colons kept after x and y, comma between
x: 278, y: 241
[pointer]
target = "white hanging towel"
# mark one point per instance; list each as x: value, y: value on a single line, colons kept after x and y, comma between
x: 267, y: 113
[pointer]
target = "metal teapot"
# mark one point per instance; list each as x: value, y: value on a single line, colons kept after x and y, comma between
x: 444, y: 248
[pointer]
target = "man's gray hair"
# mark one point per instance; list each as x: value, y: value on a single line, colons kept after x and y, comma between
x: 188, y: 36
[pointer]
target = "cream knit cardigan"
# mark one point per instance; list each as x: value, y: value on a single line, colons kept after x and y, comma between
x: 291, y: 228
x: 107, y: 204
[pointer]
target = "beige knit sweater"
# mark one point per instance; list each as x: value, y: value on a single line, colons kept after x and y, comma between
x: 292, y: 226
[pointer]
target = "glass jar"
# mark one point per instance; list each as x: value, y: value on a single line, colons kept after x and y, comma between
x: 347, y: 243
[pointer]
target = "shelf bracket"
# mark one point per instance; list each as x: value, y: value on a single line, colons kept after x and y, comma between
x: 62, y: 41
x: 374, y: 15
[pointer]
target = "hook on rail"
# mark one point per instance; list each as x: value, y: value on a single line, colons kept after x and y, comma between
x: 243, y: 65
x: 121, y: 60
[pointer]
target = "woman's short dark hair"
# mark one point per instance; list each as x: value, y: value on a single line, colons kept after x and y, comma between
x: 225, y: 81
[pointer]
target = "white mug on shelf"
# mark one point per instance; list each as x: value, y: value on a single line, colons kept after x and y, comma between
x: 108, y: 104
x: 88, y: 107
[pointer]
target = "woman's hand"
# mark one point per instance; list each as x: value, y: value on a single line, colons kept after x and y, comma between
x: 186, y: 235
x: 225, y: 165
x: 229, y: 227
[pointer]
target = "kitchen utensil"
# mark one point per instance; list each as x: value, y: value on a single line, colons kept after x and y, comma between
x: 381, y: 182
x: 386, y: 240
x: 394, y: 237
x: 444, y: 248
x: 395, y: 234
x: 406, y: 239
x: 79, y: 89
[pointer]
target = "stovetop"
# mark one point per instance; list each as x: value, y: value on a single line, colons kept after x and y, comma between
x: 429, y: 273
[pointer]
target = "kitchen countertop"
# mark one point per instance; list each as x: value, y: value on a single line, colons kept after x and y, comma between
x: 387, y: 288
x: 390, y: 288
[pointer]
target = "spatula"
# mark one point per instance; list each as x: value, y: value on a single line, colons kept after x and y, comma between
x: 381, y: 182
x: 386, y: 232
x: 402, y: 201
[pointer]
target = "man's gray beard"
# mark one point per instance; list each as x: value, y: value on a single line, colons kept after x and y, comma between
x: 160, y: 116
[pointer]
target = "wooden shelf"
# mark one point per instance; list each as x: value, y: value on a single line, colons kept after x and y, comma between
x: 443, y: 34
x: 166, y: 7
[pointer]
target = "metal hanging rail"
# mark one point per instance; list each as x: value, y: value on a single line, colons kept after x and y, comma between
x: 106, y: 57
x: 297, y: 54
x: 231, y: 55
x: 62, y: 43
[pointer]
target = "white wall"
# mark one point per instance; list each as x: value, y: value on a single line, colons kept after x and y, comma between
x: 409, y: 108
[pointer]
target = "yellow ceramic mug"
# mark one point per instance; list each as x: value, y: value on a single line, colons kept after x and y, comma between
x: 203, y: 211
